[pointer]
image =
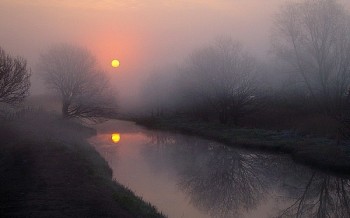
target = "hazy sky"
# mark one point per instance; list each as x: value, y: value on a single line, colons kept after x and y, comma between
x: 142, y: 34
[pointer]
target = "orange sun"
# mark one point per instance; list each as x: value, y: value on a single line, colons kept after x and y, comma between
x: 115, y: 137
x: 115, y: 63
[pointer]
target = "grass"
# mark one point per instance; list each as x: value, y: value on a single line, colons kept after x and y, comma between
x: 49, y: 169
x: 320, y: 152
x: 135, y: 205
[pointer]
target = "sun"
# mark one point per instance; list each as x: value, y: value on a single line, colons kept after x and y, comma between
x: 115, y: 137
x: 115, y: 63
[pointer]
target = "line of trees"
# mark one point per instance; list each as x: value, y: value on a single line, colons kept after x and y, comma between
x: 311, y: 42
x: 217, y: 81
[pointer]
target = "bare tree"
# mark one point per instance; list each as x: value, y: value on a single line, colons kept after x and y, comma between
x: 314, y: 37
x: 14, y: 78
x: 223, y: 76
x: 72, y: 72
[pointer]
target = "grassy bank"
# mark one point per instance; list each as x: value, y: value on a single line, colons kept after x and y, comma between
x: 49, y: 170
x: 319, y: 152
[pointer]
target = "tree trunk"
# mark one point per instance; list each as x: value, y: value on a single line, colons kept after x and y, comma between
x: 65, y: 106
x: 223, y: 116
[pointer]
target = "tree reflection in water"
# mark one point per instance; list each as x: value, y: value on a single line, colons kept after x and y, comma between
x: 219, y: 180
x: 321, y: 196
x: 227, y: 182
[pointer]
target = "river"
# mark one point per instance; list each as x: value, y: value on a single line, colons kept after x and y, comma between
x: 185, y: 176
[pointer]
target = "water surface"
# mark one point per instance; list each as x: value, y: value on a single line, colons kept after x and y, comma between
x: 186, y: 176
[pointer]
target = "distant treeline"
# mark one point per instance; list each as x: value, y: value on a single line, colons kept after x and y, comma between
x: 304, y: 87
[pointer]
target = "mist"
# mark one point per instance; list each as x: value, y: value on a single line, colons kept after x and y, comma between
x: 209, y: 98
x: 143, y: 36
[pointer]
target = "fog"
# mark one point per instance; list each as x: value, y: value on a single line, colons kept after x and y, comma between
x: 141, y: 35
x: 267, y: 76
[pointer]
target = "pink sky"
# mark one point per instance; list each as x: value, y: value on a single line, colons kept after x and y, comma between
x: 142, y: 34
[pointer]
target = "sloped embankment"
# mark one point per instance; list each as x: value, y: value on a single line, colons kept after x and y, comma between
x: 49, y: 170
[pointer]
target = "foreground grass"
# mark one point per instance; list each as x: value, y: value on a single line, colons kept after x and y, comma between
x: 319, y: 152
x: 49, y: 170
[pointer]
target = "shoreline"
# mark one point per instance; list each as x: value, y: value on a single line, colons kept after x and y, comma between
x: 317, y: 152
x: 52, y: 171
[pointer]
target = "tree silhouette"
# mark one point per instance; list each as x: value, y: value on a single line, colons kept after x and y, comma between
x: 14, y: 79
x: 313, y: 36
x: 72, y: 72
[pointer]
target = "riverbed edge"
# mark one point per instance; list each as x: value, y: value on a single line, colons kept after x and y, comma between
x: 317, y: 152
x: 79, y: 153
x: 121, y: 194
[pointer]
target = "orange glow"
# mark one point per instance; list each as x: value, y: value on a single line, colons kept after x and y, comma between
x: 115, y: 137
x: 106, y: 43
x: 115, y: 63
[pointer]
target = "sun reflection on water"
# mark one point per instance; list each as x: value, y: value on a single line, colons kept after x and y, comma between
x: 115, y: 137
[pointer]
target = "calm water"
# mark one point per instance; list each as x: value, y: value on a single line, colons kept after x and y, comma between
x: 190, y: 177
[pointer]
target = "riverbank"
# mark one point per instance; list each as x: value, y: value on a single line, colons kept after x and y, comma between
x: 49, y: 170
x: 314, y: 151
